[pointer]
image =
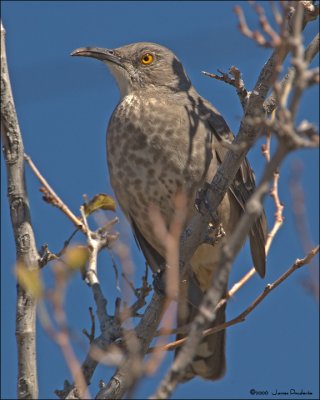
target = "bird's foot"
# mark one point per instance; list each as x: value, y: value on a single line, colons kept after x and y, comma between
x: 214, y: 234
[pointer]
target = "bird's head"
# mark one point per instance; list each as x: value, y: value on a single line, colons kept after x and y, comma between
x: 141, y: 66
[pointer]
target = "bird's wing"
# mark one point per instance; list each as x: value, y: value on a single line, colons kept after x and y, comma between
x: 242, y: 187
x: 153, y: 258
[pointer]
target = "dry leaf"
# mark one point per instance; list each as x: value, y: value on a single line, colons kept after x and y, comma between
x: 30, y: 280
x: 76, y: 257
x: 99, y: 202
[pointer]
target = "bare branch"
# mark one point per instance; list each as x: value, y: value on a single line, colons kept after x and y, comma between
x: 274, y: 39
x: 211, y: 299
x: 51, y: 197
x: 248, y: 133
x: 242, y: 316
x: 90, y: 335
x: 110, y: 327
x: 27, y: 254
x: 272, y: 101
x: 313, y: 49
x: 238, y: 285
x: 288, y: 140
x: 119, y: 383
x: 61, y: 335
x: 236, y: 81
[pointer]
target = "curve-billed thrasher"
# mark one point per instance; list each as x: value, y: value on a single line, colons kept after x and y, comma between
x: 163, y: 137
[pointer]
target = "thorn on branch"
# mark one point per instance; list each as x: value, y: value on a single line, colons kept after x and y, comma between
x: 90, y: 335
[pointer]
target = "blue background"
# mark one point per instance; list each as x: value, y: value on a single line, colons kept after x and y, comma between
x: 63, y: 105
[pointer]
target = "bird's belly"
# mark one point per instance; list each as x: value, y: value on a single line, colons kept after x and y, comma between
x: 144, y: 182
x: 146, y: 177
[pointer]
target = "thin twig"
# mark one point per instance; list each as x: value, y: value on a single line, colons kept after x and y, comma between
x: 90, y: 335
x: 236, y: 81
x: 242, y: 316
x: 274, y: 39
x: 54, y: 198
x: 311, y: 51
x: 238, y: 285
x: 207, y: 310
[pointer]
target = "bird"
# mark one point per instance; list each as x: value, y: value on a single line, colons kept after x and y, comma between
x: 163, y: 138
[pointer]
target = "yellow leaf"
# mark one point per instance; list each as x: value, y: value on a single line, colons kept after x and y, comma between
x: 99, y: 201
x: 30, y: 280
x: 76, y: 257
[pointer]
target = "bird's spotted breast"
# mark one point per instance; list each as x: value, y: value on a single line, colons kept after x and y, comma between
x: 152, y: 156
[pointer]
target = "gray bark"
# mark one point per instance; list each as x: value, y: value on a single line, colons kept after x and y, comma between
x: 26, y: 251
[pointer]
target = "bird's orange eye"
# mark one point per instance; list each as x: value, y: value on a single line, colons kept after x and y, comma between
x: 146, y: 59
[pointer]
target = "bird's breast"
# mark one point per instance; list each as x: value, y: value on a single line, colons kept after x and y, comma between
x: 153, y: 153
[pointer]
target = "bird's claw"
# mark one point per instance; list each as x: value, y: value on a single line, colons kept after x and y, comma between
x: 215, y: 234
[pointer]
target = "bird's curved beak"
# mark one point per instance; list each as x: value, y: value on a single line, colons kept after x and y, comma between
x: 98, y: 53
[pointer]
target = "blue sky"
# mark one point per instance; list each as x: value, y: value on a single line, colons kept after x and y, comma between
x: 63, y: 105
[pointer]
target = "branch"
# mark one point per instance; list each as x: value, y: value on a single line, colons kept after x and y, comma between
x: 26, y: 250
x: 274, y: 39
x: 119, y: 383
x: 311, y: 51
x: 109, y: 326
x: 238, y: 285
x: 98, y: 350
x: 247, y: 135
x: 51, y: 197
x: 242, y: 317
x: 288, y: 141
x: 126, y: 376
x: 236, y: 81
x: 211, y: 299
x: 59, y: 331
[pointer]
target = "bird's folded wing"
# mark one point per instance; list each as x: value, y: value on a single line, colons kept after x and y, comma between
x: 242, y: 187
x: 153, y: 258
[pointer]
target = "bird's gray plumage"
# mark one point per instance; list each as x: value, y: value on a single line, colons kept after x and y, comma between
x: 163, y: 137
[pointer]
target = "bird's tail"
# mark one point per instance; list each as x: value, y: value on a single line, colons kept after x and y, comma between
x: 209, y: 361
